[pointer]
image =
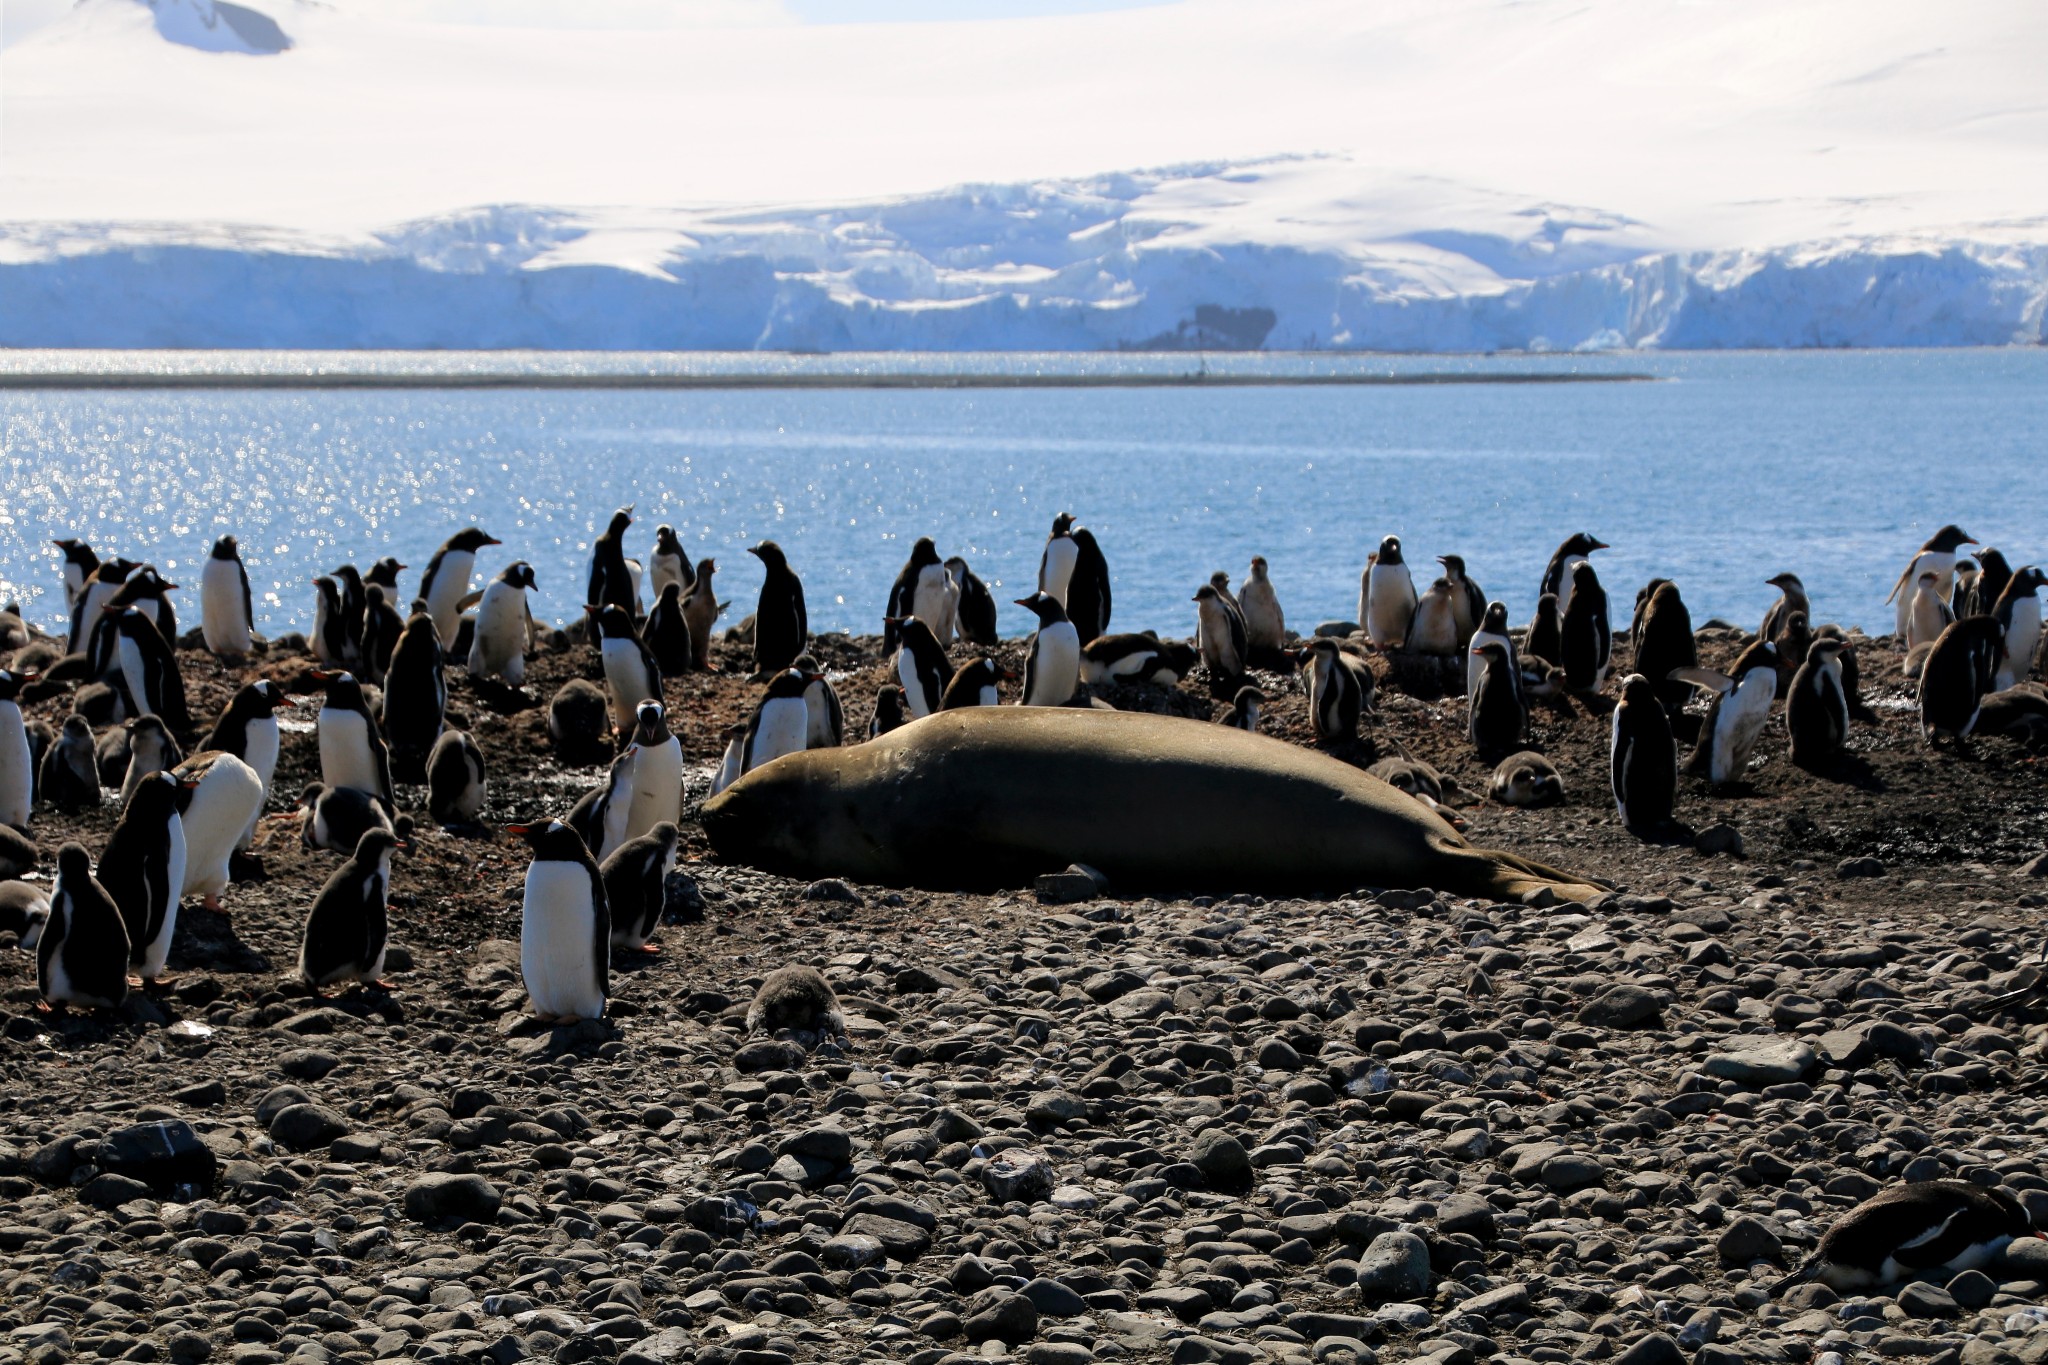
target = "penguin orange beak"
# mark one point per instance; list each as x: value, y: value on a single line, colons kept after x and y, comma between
x: 1601, y: 545
x: 1023, y: 601
x: 520, y: 829
x: 488, y: 540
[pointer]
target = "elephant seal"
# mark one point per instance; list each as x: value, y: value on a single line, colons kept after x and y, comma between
x: 990, y: 796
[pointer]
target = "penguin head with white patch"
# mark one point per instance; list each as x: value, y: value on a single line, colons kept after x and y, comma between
x: 1454, y: 567
x: 1582, y: 543
x: 1063, y: 525
x: 1496, y: 622
x: 666, y: 542
x: 518, y: 574
x: 551, y: 841
x: 1492, y: 652
x: 2026, y: 581
x: 1390, y: 550
x: 472, y: 539
x: 790, y: 683
x: 256, y: 700
x: 650, y: 729
x: 1760, y: 654
x: 1637, y: 690
x: 227, y: 547
x: 612, y: 622
x: 1825, y: 647
x: 924, y: 553
x: 1048, y: 610
x: 1205, y: 594
x: 1948, y: 540
x: 78, y: 554
x: 379, y: 843
x: 1221, y: 582
x: 343, y: 691
x: 384, y: 574
x: 157, y: 798
x: 770, y: 554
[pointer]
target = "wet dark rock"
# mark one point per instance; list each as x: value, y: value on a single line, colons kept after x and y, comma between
x: 453, y: 1197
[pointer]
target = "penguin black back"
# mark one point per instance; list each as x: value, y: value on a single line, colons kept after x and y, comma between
x: 1088, y: 592
x: 977, y: 611
x: 611, y: 582
x: 82, y: 955
x: 1644, y: 759
x: 415, y: 698
x: 903, y: 592
x: 781, y: 625
x: 798, y: 998
x: 667, y: 633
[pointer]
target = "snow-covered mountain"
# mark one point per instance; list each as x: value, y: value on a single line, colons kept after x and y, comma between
x: 1542, y: 174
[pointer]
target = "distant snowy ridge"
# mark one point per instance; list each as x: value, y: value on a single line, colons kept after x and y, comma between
x: 1295, y: 253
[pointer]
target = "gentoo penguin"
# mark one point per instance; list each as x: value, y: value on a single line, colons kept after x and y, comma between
x: 735, y: 752
x: 148, y: 592
x: 384, y: 574
x: 382, y: 626
x: 17, y: 762
x: 445, y: 584
x: 611, y: 582
x: 797, y: 998
x: 352, y: 750
x: 1635, y: 625
x: 580, y: 724
x: 1526, y: 779
x: 497, y: 649
x: 222, y: 796
x: 1420, y: 780
x: 666, y: 632
x: 1791, y: 597
x: 634, y: 876
x: 1265, y: 625
x: 1735, y: 717
x: 71, y: 771
x: 1645, y: 759
x: 455, y: 781
x: 1963, y: 588
x: 1244, y: 709
x: 781, y: 626
x: 1585, y: 636
x: 1938, y: 557
x: 599, y: 817
x: 130, y: 655
x: 1052, y: 663
x: 923, y: 583
x: 1340, y: 689
x: 143, y: 869
x: 565, y: 927
x: 1056, y: 562
x: 1468, y: 601
x: 247, y: 728
x: 24, y: 910
x: 1435, y: 628
x: 349, y: 582
x: 1493, y: 629
x: 1927, y: 611
x: 1219, y: 637
x: 1557, y: 574
x: 891, y: 711
x: 1542, y: 640
x: 1929, y: 1229
x: 78, y: 563
x: 975, y: 684
x: 700, y: 611
x: 1959, y: 672
x: 82, y: 956
x: 329, y: 641
x: 1665, y: 644
x: 1087, y: 602
x: 99, y: 587
x: 151, y: 749
x: 827, y: 728
x: 657, y: 773
x: 2018, y: 613
x: 975, y: 617
x: 1794, y: 639
x: 921, y: 666
x: 1817, y: 709
x: 1993, y: 573
x: 226, y: 620
x: 1386, y: 597
x: 18, y: 853
x: 668, y: 564
x: 335, y: 818
x: 780, y: 724
x: 349, y: 926
x: 1133, y: 658
x: 631, y: 675
x: 1497, y: 722
x: 415, y: 700
x: 1851, y: 681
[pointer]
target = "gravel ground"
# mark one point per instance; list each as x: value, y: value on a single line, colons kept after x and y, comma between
x: 1392, y: 1125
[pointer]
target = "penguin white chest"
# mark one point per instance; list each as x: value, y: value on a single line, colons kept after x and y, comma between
x: 134, y: 676
x: 1743, y: 714
x: 222, y: 620
x: 445, y: 594
x: 914, y: 695
x: 1390, y: 604
x: 2022, y: 638
x: 557, y: 938
x: 17, y: 771
x: 498, y: 649
x: 785, y: 722
x: 154, y: 953
x: 932, y: 600
x: 1475, y: 665
x: 731, y: 766
x: 1055, y: 665
x: 345, y: 756
x: 259, y: 746
x: 1060, y: 557
x: 228, y: 799
x: 657, y: 787
x: 625, y: 672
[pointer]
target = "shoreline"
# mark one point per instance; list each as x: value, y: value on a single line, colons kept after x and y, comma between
x: 72, y: 380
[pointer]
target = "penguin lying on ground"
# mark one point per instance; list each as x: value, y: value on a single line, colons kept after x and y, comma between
x: 1933, y: 1228
x: 455, y: 782
x: 1526, y: 779
x: 799, y: 999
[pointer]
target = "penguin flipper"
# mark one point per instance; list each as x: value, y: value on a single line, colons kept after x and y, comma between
x: 469, y: 601
x: 1706, y: 679
x: 1800, y: 1276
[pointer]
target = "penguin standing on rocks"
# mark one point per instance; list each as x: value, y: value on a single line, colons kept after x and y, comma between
x: 921, y: 666
x: 329, y: 642
x: 1557, y: 574
x: 71, y: 770
x: 1543, y: 640
x: 415, y: 702
x: 700, y: 611
x: 17, y: 762
x: 780, y: 724
x: 631, y: 674
x: 579, y: 723
x: 504, y: 622
x: 611, y: 582
x: 222, y: 796
x: 975, y: 684
x: 352, y: 750
x: 1493, y: 629
x: 827, y: 728
x: 599, y: 818
x: 734, y: 755
x: 1585, y: 634
x: 247, y: 728
x: 782, y: 628
x: 349, y: 927
x: 2018, y: 613
x: 455, y: 782
x: 565, y: 927
x: 1959, y: 671
x: 923, y: 589
x: 1435, y: 630
x: 384, y: 574
x: 1791, y: 597
x: 669, y: 564
x: 1052, y: 663
x: 1927, y: 612
x: 634, y: 879
x: 148, y: 592
x: 1386, y: 597
x: 797, y: 998
x: 1793, y: 640
x: 1645, y: 759
x: 1219, y: 635
x: 132, y: 656
x: 657, y: 773
x: 93, y: 595
x: 349, y: 581
x: 1665, y: 645
x: 1993, y: 573
x: 1087, y: 603
x: 975, y: 616
x: 445, y: 585
x: 382, y: 627
x: 1498, y: 721
x: 667, y: 632
x: 78, y: 564
x: 1937, y: 556
x: 1735, y: 717
x: 1056, y: 562
x: 891, y: 711
x: 1817, y: 707
x: 1468, y: 599
x: 1340, y: 689
x: 1244, y: 709
x: 143, y: 869
x: 1265, y: 625
x: 227, y: 621
x: 151, y: 749
x: 82, y: 956
x: 1928, y: 1229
